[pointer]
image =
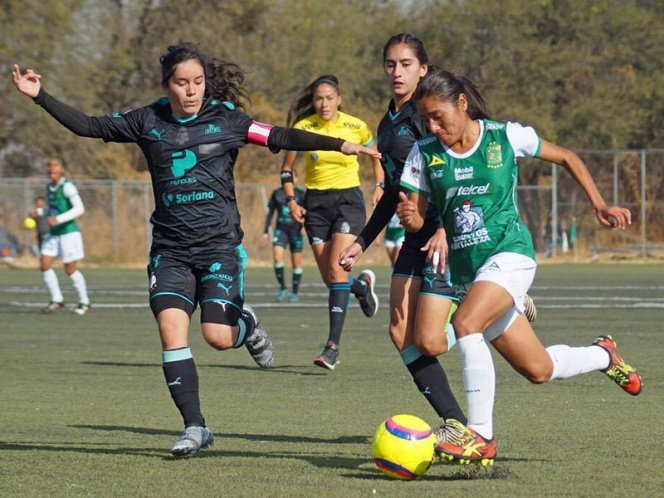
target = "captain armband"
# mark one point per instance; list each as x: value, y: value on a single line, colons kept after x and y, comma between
x: 286, y: 176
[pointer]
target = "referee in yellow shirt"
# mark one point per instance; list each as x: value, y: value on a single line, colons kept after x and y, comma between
x: 333, y: 212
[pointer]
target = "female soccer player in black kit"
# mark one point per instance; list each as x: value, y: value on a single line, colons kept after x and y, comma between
x: 191, y: 140
x: 421, y: 301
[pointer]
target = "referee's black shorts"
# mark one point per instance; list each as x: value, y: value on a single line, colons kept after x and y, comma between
x: 333, y: 211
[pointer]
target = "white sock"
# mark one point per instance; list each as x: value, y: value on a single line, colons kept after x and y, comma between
x: 81, y: 288
x: 451, y: 338
x: 570, y: 362
x: 479, y: 381
x: 53, y: 286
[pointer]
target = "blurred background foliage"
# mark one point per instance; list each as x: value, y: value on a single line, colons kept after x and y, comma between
x: 586, y: 74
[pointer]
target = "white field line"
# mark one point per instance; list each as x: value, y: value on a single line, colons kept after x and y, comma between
x: 318, y: 292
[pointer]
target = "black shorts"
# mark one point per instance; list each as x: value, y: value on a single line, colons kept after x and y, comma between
x: 289, y: 236
x: 333, y: 211
x: 215, y: 282
x: 412, y: 263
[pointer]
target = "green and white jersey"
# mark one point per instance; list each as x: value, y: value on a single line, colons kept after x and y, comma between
x: 475, y: 193
x: 59, y: 201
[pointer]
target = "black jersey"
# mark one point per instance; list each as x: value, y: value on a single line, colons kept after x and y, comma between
x: 191, y: 163
x: 278, y: 204
x: 397, y: 133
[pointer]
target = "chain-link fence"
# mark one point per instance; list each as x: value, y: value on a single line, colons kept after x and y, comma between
x: 116, y: 227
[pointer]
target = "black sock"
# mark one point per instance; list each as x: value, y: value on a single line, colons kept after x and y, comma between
x: 279, y: 272
x: 297, y: 278
x: 337, y: 306
x: 182, y: 380
x: 431, y: 380
x: 357, y: 287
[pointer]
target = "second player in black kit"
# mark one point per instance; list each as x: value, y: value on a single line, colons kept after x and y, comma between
x: 287, y: 233
x: 421, y: 300
x: 191, y: 140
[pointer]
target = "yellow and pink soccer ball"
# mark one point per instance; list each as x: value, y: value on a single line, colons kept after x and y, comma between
x: 403, y: 447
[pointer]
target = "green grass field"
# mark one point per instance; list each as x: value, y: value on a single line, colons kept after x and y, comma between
x: 85, y: 411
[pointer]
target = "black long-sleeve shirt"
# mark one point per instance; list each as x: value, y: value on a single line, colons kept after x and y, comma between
x: 397, y: 133
x: 191, y: 163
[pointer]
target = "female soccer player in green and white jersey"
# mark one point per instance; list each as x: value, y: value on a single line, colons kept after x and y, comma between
x: 468, y: 166
x: 64, y: 239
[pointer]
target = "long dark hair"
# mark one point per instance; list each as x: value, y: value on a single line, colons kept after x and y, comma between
x: 412, y: 41
x: 223, y: 80
x: 303, y: 103
x: 447, y: 86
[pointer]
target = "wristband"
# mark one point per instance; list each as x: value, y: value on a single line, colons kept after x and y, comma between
x: 381, y: 185
x: 290, y: 198
x: 286, y: 176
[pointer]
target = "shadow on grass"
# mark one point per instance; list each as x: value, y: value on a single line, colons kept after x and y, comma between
x: 287, y: 369
x: 469, y: 473
x: 333, y: 461
x: 362, y: 466
x: 226, y: 435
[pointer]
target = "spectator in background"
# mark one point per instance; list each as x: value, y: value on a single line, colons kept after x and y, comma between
x: 9, y: 245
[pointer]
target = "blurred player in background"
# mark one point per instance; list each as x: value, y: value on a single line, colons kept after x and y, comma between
x: 287, y: 233
x: 333, y: 211
x: 394, y: 237
x: 63, y: 238
x: 40, y: 216
x: 191, y: 139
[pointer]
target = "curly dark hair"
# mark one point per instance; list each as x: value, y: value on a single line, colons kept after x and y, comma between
x: 223, y: 80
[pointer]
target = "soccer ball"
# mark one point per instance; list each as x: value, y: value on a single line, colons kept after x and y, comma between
x: 29, y: 223
x: 403, y: 447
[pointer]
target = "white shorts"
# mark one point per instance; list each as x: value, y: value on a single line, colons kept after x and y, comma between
x: 68, y: 246
x: 514, y: 273
x: 389, y: 243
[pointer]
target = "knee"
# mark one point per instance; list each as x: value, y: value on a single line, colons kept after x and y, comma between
x: 464, y: 324
x: 431, y: 347
x: 219, y: 336
x: 539, y: 374
x: 219, y: 341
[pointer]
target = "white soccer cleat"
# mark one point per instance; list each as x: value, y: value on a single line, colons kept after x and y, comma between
x: 193, y: 440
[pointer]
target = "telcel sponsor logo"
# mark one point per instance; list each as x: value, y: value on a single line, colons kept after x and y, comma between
x: 469, y: 190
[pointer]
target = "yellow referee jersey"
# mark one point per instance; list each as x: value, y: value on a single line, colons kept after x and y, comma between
x: 326, y: 170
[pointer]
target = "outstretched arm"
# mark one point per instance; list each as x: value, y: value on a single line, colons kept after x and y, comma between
x: 609, y: 216
x: 74, y: 120
x: 293, y: 139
